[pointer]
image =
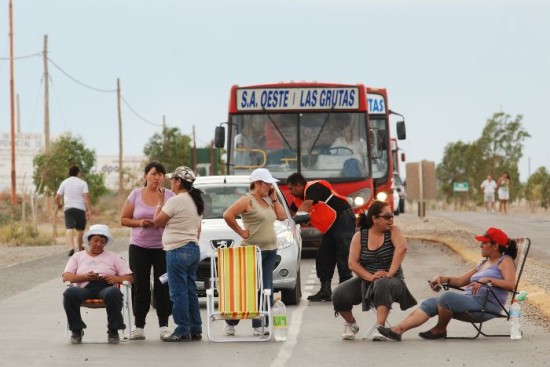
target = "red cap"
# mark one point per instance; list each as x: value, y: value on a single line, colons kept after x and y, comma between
x: 494, y: 235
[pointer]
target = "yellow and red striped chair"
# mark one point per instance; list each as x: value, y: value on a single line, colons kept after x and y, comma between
x: 237, y: 279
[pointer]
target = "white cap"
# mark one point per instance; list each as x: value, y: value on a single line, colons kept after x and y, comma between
x: 99, y: 230
x: 262, y: 174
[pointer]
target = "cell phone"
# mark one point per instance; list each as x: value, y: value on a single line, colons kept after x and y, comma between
x: 436, y: 287
x: 270, y: 191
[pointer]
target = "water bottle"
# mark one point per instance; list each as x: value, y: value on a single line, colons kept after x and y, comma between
x: 280, y: 326
x: 515, y: 314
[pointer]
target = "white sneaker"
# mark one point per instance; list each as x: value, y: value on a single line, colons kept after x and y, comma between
x: 137, y: 334
x: 165, y: 332
x: 258, y: 331
x: 377, y: 337
x: 350, y: 329
x: 229, y: 329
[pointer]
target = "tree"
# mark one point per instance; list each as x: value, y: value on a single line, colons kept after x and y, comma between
x: 537, y: 190
x: 499, y: 149
x: 170, y: 147
x: 52, y: 168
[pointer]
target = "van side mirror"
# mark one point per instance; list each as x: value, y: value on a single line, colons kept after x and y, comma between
x: 219, y: 137
x: 401, y: 130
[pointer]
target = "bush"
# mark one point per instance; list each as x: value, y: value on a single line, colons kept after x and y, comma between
x: 16, y: 234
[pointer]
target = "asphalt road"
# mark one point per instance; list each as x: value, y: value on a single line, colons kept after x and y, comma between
x: 536, y: 227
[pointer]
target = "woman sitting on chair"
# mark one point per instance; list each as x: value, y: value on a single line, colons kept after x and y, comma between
x: 498, y: 268
x: 375, y: 256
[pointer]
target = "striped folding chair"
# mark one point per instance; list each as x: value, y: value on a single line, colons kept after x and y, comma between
x: 237, y: 279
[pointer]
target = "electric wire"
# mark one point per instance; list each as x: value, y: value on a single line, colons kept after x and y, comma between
x: 137, y: 114
x: 78, y: 81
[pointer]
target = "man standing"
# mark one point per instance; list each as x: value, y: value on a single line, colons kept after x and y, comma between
x: 332, y: 215
x: 73, y: 197
x: 489, y: 187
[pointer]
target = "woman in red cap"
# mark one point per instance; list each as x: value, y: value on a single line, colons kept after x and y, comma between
x: 498, y: 268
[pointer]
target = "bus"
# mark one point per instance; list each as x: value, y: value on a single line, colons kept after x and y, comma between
x: 300, y: 127
x: 383, y: 161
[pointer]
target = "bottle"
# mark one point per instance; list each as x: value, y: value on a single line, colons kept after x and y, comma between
x: 515, y: 327
x: 280, y: 326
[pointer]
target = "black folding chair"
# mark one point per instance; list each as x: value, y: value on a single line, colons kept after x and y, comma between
x: 477, y: 318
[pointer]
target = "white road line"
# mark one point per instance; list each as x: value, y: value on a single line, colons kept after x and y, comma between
x: 292, y: 337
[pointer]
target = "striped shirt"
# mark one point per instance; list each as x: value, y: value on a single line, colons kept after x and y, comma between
x: 379, y: 259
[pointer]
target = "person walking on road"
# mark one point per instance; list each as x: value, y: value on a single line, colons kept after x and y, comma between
x: 489, y: 187
x: 504, y: 183
x: 146, y: 252
x: 332, y: 215
x: 73, y: 197
x: 182, y: 216
x: 96, y: 273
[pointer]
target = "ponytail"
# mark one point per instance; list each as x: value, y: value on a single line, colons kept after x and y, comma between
x: 510, y: 250
x: 195, y: 194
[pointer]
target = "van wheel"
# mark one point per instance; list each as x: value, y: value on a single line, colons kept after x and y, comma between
x: 292, y: 296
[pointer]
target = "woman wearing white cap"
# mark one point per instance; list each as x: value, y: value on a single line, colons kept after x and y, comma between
x: 181, y: 216
x: 259, y: 209
x: 95, y: 272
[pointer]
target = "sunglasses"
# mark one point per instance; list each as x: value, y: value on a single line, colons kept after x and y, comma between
x: 386, y: 216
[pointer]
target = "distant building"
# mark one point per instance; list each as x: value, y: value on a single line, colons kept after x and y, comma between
x: 27, y: 146
x: 133, y: 170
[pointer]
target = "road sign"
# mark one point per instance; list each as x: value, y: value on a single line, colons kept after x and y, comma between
x: 460, y: 186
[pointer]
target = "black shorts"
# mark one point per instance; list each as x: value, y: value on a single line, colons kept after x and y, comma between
x: 75, y: 219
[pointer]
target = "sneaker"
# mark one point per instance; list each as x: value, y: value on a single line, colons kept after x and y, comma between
x: 377, y: 337
x: 138, y: 334
x: 165, y: 332
x: 258, y: 331
x: 229, y: 329
x: 113, y: 337
x: 177, y: 338
x: 196, y: 336
x: 71, y: 253
x: 76, y: 336
x: 350, y: 329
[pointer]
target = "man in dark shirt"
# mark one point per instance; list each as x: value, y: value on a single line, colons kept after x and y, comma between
x: 332, y: 215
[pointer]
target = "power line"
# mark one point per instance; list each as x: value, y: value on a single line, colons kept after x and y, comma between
x: 21, y: 57
x: 138, y: 115
x: 78, y: 81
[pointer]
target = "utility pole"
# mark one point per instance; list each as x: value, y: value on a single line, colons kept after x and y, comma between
x: 120, y: 181
x: 18, y: 113
x: 194, y: 151
x: 12, y: 110
x: 46, y: 98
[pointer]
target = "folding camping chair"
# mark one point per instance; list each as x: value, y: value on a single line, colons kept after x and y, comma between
x: 477, y: 318
x: 237, y: 279
x: 92, y: 303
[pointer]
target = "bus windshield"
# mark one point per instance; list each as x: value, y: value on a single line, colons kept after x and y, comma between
x: 329, y: 145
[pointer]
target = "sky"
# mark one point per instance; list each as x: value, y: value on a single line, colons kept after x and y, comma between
x: 447, y: 65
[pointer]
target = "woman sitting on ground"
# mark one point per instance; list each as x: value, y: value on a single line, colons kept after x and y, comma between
x: 498, y: 268
x: 375, y: 256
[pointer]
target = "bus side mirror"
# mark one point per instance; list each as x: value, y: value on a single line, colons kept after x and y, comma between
x: 219, y: 137
x: 401, y: 130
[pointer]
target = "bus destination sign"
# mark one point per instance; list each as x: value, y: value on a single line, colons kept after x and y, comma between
x: 376, y: 103
x: 259, y: 99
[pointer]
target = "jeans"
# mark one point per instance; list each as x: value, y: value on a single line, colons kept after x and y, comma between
x: 268, y: 265
x: 334, y: 249
x: 457, y: 303
x: 74, y: 296
x: 141, y: 261
x: 181, y: 264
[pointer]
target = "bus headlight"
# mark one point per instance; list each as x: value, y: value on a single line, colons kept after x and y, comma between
x: 382, y: 196
x: 359, y: 198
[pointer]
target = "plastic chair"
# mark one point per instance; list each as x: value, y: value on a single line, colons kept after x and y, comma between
x: 237, y: 279
x: 92, y: 303
x: 477, y: 318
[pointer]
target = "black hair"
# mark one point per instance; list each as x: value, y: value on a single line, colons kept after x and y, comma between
x: 296, y: 178
x: 195, y: 193
x: 510, y: 250
x: 99, y: 235
x: 157, y: 165
x: 365, y: 221
x: 74, y: 170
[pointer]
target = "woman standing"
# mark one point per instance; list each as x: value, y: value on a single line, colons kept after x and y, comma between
x: 145, y: 251
x: 375, y: 256
x: 182, y: 215
x: 503, y: 184
x: 259, y: 209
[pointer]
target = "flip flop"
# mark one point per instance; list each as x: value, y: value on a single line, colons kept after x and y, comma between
x: 388, y: 333
x: 431, y: 336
